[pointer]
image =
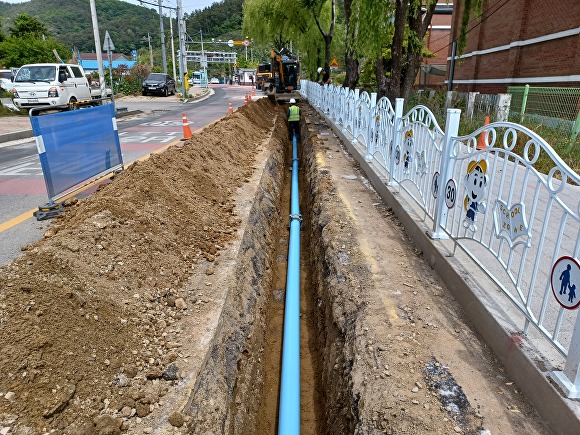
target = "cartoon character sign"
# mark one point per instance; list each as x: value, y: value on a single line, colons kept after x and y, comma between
x: 408, y: 146
x: 475, y: 183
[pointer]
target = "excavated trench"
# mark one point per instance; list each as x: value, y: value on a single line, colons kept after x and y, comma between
x: 237, y: 389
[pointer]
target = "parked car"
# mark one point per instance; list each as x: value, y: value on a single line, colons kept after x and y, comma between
x: 214, y: 81
x: 158, y: 83
x: 51, y: 84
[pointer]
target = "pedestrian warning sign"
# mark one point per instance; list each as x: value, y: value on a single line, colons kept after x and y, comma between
x: 565, y: 276
x: 334, y: 63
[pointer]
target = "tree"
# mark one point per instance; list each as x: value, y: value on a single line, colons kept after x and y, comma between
x: 20, y: 51
x: 351, y: 62
x: 394, y: 45
x: 270, y: 21
x: 2, y: 35
x: 29, y: 42
x: 24, y: 25
x: 407, y: 45
x: 316, y: 9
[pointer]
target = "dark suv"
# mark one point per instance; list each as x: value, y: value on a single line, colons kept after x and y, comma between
x: 158, y: 83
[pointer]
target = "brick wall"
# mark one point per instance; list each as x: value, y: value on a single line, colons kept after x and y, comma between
x: 503, y: 22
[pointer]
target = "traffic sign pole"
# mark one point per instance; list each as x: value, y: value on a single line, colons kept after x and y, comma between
x: 109, y: 46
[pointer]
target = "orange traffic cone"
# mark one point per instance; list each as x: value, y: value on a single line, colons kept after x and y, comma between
x: 246, y: 100
x: 186, y: 130
x: 253, y: 92
x: 230, y: 109
x: 481, y: 141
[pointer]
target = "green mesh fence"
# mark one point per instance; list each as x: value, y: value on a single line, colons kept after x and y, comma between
x: 563, y: 103
x: 557, y: 107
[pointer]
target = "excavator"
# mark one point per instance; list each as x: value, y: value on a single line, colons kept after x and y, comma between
x: 284, y: 82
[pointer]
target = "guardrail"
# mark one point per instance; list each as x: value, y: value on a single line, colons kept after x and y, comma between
x: 482, y: 192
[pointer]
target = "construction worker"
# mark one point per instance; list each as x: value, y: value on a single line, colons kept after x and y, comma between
x: 293, y: 119
x: 325, y: 75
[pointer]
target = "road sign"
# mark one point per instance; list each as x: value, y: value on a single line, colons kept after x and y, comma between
x: 231, y: 42
x: 238, y: 42
x: 450, y: 193
x: 435, y: 184
x: 565, y: 279
x: 246, y: 43
x: 108, y: 45
x: 334, y: 62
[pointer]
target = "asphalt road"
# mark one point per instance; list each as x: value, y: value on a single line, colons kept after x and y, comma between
x: 158, y: 124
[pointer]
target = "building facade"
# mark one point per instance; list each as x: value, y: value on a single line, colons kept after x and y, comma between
x: 518, y: 42
x: 433, y: 70
x: 89, y: 61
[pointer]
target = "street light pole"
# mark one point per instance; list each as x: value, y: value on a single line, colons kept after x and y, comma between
x: 203, y: 62
x: 163, y: 58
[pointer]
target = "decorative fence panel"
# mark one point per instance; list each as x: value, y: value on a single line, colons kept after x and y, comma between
x: 381, y: 135
x: 483, y: 192
x: 418, y: 156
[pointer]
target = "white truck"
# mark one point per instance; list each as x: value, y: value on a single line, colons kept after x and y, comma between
x: 51, y: 85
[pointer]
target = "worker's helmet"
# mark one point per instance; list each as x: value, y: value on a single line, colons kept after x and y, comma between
x: 292, y: 101
x: 319, y: 70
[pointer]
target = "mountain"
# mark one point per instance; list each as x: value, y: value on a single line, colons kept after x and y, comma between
x: 220, y: 20
x: 69, y: 21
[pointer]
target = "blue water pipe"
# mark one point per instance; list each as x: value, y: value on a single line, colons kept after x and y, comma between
x: 289, y: 414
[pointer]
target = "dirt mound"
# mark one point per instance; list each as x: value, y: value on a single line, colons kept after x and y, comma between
x: 86, y: 311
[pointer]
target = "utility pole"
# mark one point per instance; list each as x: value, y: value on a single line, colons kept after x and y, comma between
x: 98, y: 48
x: 163, y: 58
x: 172, y: 47
x: 182, y: 55
x: 150, y: 51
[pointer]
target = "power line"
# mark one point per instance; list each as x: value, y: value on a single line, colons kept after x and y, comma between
x: 156, y: 4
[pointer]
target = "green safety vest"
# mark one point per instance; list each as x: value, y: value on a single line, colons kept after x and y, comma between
x: 293, y: 113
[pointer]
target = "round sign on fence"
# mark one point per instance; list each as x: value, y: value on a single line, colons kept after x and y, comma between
x: 450, y: 193
x: 565, y: 281
x: 435, y: 184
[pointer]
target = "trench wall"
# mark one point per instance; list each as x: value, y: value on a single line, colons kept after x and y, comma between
x: 221, y: 401
x: 340, y: 297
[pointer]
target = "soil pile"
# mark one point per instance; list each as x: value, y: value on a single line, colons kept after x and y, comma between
x: 88, y: 310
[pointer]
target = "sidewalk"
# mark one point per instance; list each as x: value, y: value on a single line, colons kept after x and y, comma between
x: 14, y: 127
x: 19, y: 127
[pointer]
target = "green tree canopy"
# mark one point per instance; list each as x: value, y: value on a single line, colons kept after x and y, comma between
x: 29, y: 42
x: 25, y: 25
x: 15, y: 52
x: 304, y: 25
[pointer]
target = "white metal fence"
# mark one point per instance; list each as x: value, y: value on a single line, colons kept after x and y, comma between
x: 482, y: 191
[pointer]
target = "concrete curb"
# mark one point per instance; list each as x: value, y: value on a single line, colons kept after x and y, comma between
x: 561, y: 415
x: 16, y: 135
x: 201, y: 97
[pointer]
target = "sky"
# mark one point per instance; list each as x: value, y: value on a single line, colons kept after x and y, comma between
x: 188, y: 5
